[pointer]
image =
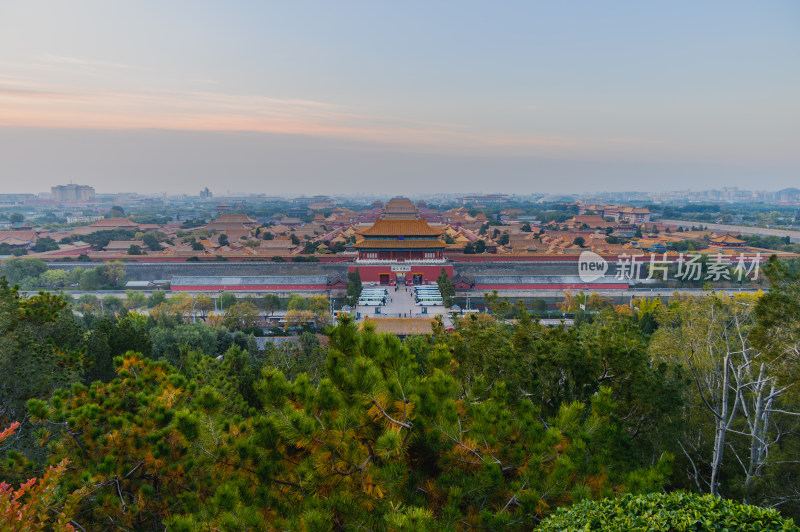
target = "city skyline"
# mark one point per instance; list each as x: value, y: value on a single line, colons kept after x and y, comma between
x: 318, y: 98
x: 785, y: 196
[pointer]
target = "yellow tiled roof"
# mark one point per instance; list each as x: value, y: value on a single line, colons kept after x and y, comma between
x: 401, y: 228
x: 399, y: 244
x: 726, y: 239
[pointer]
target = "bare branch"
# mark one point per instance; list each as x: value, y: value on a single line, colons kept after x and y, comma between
x: 694, y: 467
x: 407, y: 425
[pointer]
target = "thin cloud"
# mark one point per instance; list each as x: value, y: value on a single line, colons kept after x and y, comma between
x: 27, y: 104
x: 83, y: 62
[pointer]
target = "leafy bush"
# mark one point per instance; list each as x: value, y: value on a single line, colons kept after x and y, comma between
x: 676, y: 511
x: 34, y: 505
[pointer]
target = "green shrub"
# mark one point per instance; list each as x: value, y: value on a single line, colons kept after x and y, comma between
x: 678, y: 511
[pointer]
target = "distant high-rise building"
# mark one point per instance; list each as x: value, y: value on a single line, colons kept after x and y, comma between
x: 72, y: 192
x: 485, y: 198
x: 206, y: 194
x: 789, y: 195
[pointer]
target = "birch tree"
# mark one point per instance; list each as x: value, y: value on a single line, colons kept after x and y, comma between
x: 737, y: 387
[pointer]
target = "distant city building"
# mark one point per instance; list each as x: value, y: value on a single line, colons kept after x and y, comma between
x: 633, y: 215
x: 206, y: 194
x: 77, y: 219
x: 15, y: 198
x: 789, y: 195
x: 321, y: 205
x: 72, y: 192
x: 485, y: 199
x: 241, y: 200
x: 304, y: 200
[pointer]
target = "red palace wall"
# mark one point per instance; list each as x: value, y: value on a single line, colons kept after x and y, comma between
x: 510, y: 258
x: 257, y: 287
x: 570, y: 286
x: 372, y: 273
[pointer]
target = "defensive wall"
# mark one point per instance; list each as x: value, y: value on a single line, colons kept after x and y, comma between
x: 151, y: 271
x: 541, y: 279
x: 561, y: 266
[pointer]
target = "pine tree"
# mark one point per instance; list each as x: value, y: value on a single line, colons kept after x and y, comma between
x: 354, y: 287
x: 446, y: 288
x: 376, y: 444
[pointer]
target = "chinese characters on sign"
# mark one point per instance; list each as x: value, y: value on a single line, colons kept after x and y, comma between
x: 690, y: 267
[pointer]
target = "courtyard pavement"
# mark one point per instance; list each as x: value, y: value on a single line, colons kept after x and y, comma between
x: 400, y: 304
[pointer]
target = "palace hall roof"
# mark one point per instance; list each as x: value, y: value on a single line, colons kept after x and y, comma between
x: 401, y: 228
x: 401, y: 244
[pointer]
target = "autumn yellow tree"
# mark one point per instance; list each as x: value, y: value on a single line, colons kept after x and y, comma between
x: 203, y: 304
x: 240, y: 316
x: 298, y: 318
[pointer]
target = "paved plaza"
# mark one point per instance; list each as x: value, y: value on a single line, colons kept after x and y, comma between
x: 400, y: 304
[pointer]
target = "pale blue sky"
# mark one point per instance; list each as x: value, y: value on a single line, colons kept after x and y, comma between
x: 292, y: 97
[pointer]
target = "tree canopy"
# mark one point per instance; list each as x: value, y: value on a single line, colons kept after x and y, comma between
x: 655, y: 415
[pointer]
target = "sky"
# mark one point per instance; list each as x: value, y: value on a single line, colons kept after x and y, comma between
x: 349, y: 97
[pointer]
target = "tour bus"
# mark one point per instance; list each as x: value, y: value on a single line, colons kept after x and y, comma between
x: 372, y: 296
x: 420, y: 289
x: 372, y: 300
x: 430, y: 301
x: 428, y: 293
x: 374, y: 292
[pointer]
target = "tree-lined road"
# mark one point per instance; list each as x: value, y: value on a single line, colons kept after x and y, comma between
x: 794, y: 236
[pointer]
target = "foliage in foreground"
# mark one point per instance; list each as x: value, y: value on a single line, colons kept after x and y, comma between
x: 655, y: 512
x: 492, y: 425
x: 376, y: 445
x: 37, y: 504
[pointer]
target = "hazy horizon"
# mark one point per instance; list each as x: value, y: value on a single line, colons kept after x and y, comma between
x: 340, y: 98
